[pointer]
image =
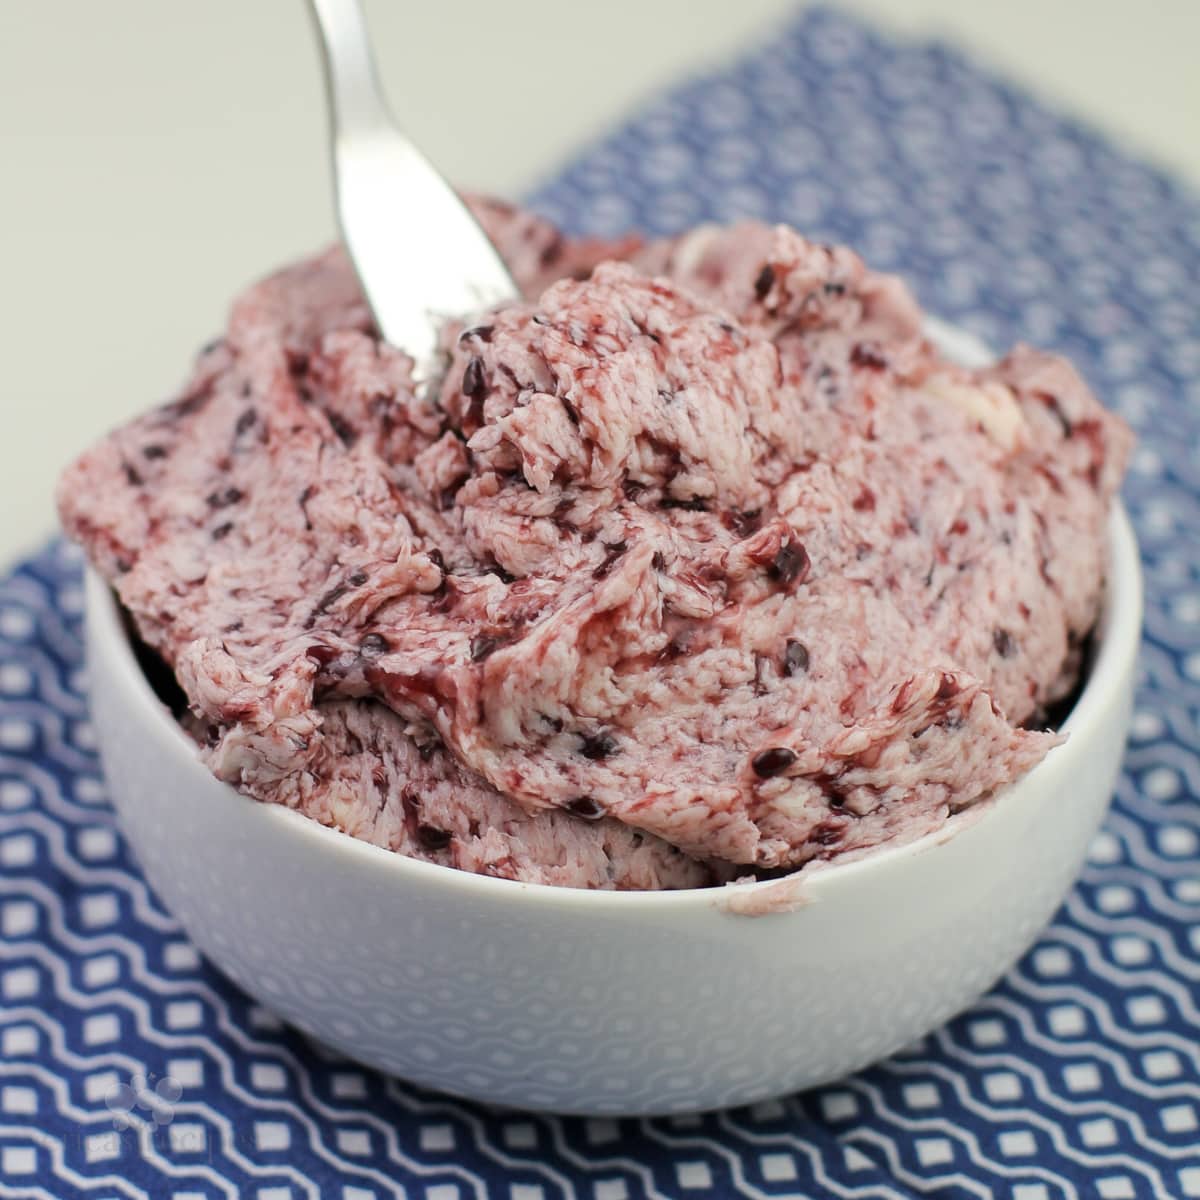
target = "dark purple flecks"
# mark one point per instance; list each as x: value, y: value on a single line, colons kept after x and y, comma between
x: 321, y: 653
x: 516, y: 479
x: 154, y: 451
x: 1004, y: 644
x: 432, y: 838
x: 765, y: 282
x: 346, y: 432
x: 1056, y: 410
x: 597, y: 745
x: 305, y: 497
x: 691, y: 503
x: 373, y: 645
x: 947, y: 688
x: 762, y: 674
x: 827, y: 833
x: 474, y: 383
x: 330, y: 597
x: 795, y: 657
x: 225, y: 498
x: 187, y: 406
x: 866, y: 354
x: 553, y: 250
x: 222, y: 531
x: 484, y: 646
x: 790, y: 563
x: 613, y: 552
x: 742, y: 522
x: 586, y: 808
x: 776, y: 760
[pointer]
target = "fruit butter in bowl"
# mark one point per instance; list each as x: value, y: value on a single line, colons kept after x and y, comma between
x: 707, y: 581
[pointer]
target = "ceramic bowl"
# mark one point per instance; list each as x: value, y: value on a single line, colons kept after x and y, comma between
x: 602, y: 1002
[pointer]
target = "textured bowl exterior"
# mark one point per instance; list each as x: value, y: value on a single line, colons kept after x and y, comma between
x: 596, y: 1002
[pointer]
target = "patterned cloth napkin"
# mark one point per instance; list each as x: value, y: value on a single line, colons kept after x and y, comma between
x: 128, y: 1067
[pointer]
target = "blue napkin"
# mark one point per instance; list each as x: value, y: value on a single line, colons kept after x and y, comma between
x: 128, y: 1067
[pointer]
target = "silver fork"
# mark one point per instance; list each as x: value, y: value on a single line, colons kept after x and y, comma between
x: 419, y: 253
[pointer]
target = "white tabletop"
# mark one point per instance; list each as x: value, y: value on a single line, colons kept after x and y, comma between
x: 159, y: 156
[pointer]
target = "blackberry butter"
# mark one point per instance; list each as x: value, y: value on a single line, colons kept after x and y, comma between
x: 697, y: 562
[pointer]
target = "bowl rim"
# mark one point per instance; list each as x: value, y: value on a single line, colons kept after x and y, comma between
x: 1117, y: 640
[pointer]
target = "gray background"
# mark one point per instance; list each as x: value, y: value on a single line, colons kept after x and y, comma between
x: 159, y: 155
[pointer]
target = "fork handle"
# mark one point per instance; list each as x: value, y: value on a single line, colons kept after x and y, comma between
x: 420, y: 255
x: 355, y: 97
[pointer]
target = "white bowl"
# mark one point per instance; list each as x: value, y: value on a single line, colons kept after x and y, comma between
x: 602, y: 1002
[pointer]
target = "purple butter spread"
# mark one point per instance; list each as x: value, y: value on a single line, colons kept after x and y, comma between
x: 699, y: 561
